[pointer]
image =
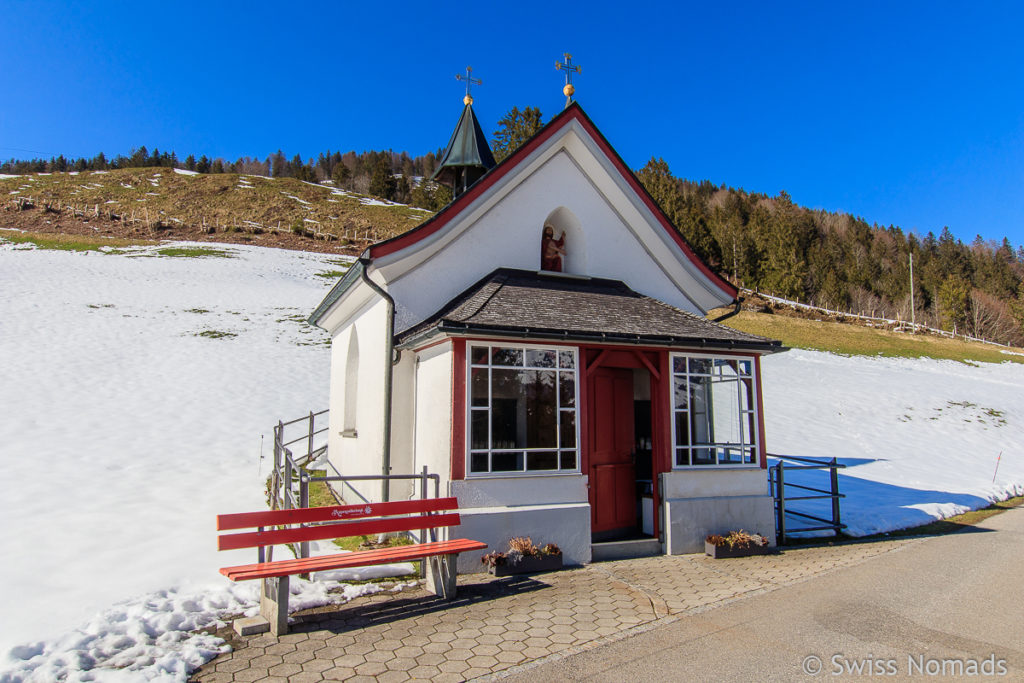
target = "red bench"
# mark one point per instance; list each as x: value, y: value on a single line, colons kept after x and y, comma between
x: 275, y: 527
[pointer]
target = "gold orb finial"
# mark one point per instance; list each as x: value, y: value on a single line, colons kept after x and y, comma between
x: 467, y: 100
x: 568, y: 90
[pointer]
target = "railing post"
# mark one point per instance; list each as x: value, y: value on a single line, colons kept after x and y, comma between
x: 304, y: 503
x: 834, y: 476
x: 309, y: 447
x: 780, y: 507
x: 275, y: 474
x: 424, y: 532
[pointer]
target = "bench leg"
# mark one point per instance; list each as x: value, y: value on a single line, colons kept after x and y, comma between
x: 274, y: 604
x: 441, y: 575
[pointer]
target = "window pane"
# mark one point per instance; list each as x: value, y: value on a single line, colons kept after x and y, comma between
x: 725, y: 418
x: 682, y: 429
x: 749, y: 456
x: 730, y: 456
x: 503, y: 356
x: 506, y: 462
x: 681, y: 396
x: 540, y: 358
x: 544, y: 460
x: 747, y: 394
x: 745, y: 367
x: 700, y: 419
x: 478, y: 430
x: 700, y: 366
x: 568, y: 460
x: 726, y: 368
x: 478, y: 355
x: 478, y: 462
x: 682, y: 457
x: 568, y: 439
x: 567, y: 389
x: 523, y: 409
x: 679, y: 364
x: 703, y: 456
x: 566, y: 359
x: 747, y: 422
x: 478, y: 387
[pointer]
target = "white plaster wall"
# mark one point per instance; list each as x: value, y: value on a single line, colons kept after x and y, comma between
x: 403, y: 411
x: 567, y: 526
x: 508, y: 491
x: 508, y: 233
x: 362, y: 454
x: 432, y: 431
x: 690, y: 520
x: 706, y: 483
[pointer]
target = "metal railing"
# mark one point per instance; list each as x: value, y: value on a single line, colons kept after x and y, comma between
x: 780, y: 492
x: 291, y: 478
x: 288, y: 466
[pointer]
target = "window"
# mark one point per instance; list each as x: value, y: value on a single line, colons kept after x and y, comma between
x: 522, y: 410
x: 715, y: 422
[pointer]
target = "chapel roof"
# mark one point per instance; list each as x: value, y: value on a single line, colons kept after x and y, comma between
x: 540, y: 305
x: 467, y: 148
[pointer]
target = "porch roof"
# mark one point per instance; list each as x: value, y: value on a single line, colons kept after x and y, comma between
x: 541, y: 305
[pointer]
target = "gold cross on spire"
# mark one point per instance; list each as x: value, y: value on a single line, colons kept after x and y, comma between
x: 470, y: 81
x: 569, y: 70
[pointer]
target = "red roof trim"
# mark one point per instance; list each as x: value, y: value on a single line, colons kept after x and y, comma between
x: 573, y: 113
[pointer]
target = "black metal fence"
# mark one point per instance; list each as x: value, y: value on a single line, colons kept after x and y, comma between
x: 786, y: 493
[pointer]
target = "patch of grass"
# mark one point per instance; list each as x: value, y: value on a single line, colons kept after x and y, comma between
x: 193, y: 252
x: 855, y: 340
x: 332, y: 274
x: 70, y: 242
x: 216, y: 334
x: 100, y: 305
x: 955, y: 523
x: 196, y: 310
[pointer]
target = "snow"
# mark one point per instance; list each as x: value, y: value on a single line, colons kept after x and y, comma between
x: 919, y: 437
x: 125, y: 433
x: 4, y: 176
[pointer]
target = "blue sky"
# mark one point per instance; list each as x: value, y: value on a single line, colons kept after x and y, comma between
x: 903, y: 113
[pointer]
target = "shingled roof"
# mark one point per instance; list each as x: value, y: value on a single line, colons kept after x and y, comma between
x: 544, y: 306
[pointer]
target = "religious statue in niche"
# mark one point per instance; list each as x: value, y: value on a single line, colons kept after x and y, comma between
x: 552, y: 250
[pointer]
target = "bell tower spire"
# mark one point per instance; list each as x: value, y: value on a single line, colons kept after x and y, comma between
x: 468, y: 156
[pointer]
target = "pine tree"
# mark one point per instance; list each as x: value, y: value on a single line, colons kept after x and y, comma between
x: 341, y: 174
x: 514, y: 129
x: 382, y: 183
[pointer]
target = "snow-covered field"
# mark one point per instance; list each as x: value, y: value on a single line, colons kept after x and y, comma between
x: 138, y: 394
x: 136, y: 388
x: 920, y: 438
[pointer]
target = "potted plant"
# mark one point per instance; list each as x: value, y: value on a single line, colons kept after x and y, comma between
x: 736, y: 544
x: 523, y: 557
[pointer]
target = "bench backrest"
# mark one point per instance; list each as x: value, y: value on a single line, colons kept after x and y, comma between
x: 336, y: 521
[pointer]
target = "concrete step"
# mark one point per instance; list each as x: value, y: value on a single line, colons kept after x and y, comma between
x: 621, y: 550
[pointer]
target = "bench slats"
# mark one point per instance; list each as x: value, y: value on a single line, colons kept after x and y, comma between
x: 253, y: 539
x: 360, y: 558
x: 246, y: 520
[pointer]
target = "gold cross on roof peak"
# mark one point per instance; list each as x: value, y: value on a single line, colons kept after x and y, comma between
x: 470, y: 81
x: 569, y: 68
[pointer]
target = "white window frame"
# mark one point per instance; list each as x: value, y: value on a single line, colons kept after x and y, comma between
x: 468, y: 450
x: 755, y: 440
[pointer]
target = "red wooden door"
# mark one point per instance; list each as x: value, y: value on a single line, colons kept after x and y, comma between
x: 612, y: 479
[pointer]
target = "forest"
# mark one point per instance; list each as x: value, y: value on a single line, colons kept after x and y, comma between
x: 765, y: 243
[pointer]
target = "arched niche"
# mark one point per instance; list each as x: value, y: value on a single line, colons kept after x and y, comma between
x: 564, y: 220
x: 351, y: 404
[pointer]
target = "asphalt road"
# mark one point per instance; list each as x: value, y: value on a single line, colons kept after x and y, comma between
x: 943, y: 608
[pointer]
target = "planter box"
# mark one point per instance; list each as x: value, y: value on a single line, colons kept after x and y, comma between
x: 528, y: 565
x: 723, y: 551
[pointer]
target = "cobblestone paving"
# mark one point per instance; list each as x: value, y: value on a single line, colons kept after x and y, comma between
x: 495, y: 624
